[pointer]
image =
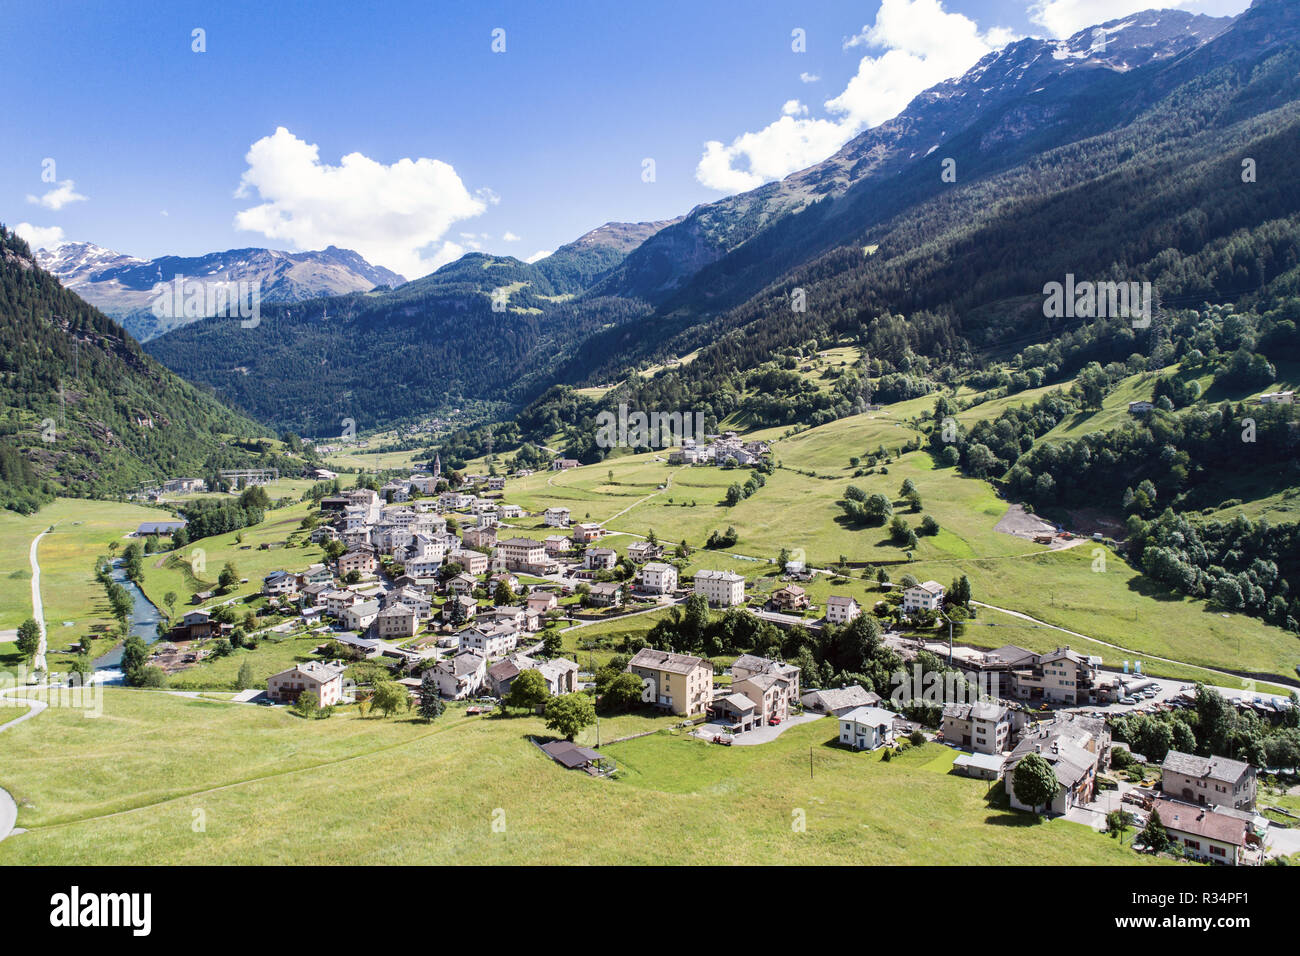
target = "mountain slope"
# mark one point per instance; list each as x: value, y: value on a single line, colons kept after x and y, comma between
x: 577, y: 265
x: 484, y: 331
x: 82, y: 409
x: 1091, y: 166
x: 1052, y: 72
x: 123, y: 286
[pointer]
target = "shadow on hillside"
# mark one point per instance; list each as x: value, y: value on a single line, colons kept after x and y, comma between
x: 1148, y: 588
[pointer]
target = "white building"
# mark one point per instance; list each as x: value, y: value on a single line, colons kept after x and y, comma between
x: 557, y: 517
x: 360, y: 616
x: 923, y: 597
x: 461, y: 676
x: 491, y: 642
x: 867, y: 728
x: 840, y: 609
x: 658, y: 578
x: 721, y: 588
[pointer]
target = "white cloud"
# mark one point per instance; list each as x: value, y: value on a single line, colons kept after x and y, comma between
x: 808, y: 77
x: 61, y: 195
x: 923, y: 45
x: 510, y: 237
x: 39, y: 237
x: 541, y: 254
x: 395, y: 215
x: 1063, y: 18
x: 794, y: 108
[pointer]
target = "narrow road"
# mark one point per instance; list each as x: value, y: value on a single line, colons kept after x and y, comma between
x: 38, y: 609
x: 668, y: 483
x: 8, y: 808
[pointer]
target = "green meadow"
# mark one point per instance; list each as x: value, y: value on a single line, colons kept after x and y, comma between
x: 159, y: 779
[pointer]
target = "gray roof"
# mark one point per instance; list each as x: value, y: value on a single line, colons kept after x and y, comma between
x: 664, y: 661
x: 873, y: 716
x: 1211, y: 768
x: 980, y: 710
x: 981, y: 761
x: 840, y: 698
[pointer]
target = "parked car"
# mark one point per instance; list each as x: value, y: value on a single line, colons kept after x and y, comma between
x: 1128, y: 700
x: 722, y: 739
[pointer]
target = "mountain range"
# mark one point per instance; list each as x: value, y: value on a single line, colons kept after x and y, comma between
x: 122, y: 286
x: 1115, y: 153
x: 84, y: 411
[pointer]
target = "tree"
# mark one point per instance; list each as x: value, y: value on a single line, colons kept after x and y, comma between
x: 246, y: 680
x: 569, y: 714
x: 229, y: 577
x: 622, y: 693
x: 307, y: 704
x: 134, y: 655
x: 431, y: 705
x: 150, y: 676
x: 170, y: 600
x: 528, y: 690
x: 390, y: 697
x: 29, y: 638
x: 1034, y: 781
x: 959, y: 593
x: 1118, y: 823
x: 503, y: 594
x: 1154, y: 836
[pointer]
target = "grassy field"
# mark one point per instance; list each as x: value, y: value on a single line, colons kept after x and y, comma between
x: 799, y: 513
x: 196, y: 566
x: 272, y: 655
x: 83, y: 530
x: 133, y: 785
x: 1118, y: 606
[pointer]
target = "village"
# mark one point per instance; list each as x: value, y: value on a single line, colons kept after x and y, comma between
x: 427, y: 580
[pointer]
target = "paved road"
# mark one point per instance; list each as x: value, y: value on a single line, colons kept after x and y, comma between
x: 8, y: 808
x: 8, y: 813
x: 759, y: 735
x: 38, y: 609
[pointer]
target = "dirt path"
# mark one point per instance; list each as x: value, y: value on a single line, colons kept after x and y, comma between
x: 668, y: 483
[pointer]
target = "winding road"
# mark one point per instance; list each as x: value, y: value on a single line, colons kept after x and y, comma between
x: 8, y: 808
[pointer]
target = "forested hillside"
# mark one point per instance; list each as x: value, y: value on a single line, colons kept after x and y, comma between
x: 83, y: 410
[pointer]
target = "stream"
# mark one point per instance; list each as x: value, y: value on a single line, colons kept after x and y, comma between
x: 144, y: 622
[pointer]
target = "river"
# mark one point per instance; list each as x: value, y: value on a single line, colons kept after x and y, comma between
x: 144, y: 622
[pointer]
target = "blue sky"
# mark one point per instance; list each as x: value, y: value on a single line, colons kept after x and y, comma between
x: 514, y: 152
